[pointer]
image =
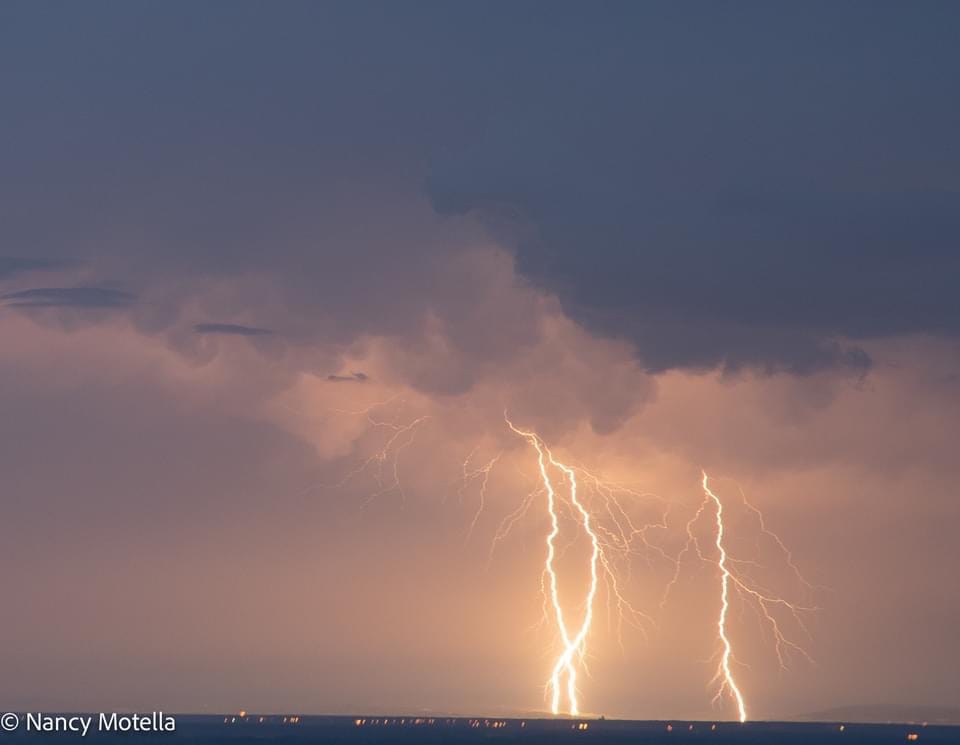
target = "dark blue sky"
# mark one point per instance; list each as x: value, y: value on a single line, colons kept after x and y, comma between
x: 725, y: 184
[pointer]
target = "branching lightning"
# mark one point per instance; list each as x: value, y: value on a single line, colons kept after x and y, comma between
x: 573, y: 645
x: 384, y: 463
x: 764, y: 601
x: 728, y: 680
x: 481, y: 473
x: 508, y: 522
x: 604, y: 513
x: 606, y: 544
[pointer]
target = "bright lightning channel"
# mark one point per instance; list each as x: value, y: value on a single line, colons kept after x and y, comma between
x: 573, y: 645
x: 610, y: 546
x: 612, y: 535
x: 729, y: 683
x: 763, y: 600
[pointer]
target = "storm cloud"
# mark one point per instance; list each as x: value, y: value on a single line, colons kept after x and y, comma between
x: 664, y: 234
x: 734, y: 192
x: 735, y: 187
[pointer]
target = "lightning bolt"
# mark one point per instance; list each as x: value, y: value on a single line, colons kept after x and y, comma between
x: 481, y: 473
x: 573, y: 645
x: 729, y: 683
x: 383, y: 464
x: 602, y: 513
x: 764, y: 601
x: 506, y: 525
x: 606, y: 545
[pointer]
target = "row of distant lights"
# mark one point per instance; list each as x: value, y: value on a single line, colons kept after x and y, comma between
x: 501, y: 723
x: 911, y: 736
x: 242, y: 716
x: 472, y: 723
x: 713, y: 728
x: 416, y: 722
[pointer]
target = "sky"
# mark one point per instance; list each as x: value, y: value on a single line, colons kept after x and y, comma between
x: 272, y: 273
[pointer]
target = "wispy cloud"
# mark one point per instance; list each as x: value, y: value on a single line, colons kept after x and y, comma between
x: 69, y: 297
x: 354, y: 377
x: 10, y: 266
x: 230, y: 329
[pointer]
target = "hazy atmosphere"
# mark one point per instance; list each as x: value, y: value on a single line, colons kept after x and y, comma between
x: 270, y: 281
